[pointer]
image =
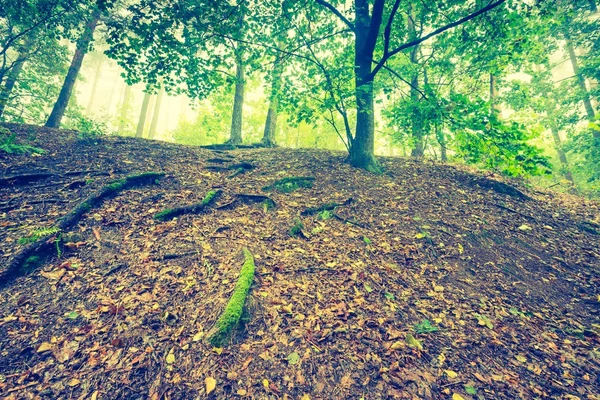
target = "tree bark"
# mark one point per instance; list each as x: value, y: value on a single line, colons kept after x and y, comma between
x: 124, y: 108
x: 94, y: 86
x: 67, y: 89
x: 271, y: 122
x: 418, y: 149
x: 156, y: 114
x: 495, y: 108
x: 235, y: 135
x: 143, y: 113
x: 587, y: 103
x: 11, y: 80
x: 362, y: 147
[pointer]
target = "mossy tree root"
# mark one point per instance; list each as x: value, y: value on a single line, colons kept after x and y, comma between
x: 230, y: 317
x: 195, y: 208
x: 291, y: 183
x: 325, y: 207
x: 31, y: 256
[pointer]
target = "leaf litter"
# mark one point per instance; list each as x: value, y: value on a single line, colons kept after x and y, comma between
x: 330, y: 315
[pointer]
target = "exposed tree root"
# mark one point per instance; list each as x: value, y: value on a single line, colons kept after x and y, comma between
x: 325, y: 207
x: 32, y: 255
x: 230, y: 317
x: 196, y: 208
x: 24, y: 178
x: 249, y: 199
x: 291, y: 183
x: 498, y: 187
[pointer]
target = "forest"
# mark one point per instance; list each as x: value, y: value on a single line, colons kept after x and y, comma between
x: 299, y: 199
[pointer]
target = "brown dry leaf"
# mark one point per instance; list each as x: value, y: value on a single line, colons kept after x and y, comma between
x: 45, y: 346
x: 210, y: 383
x: 53, y: 275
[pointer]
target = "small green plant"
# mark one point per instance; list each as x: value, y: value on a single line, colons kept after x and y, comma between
x: 209, y: 268
x: 367, y: 240
x: 325, y: 214
x: 296, y: 229
x: 425, y: 327
x: 8, y: 144
x: 37, y: 234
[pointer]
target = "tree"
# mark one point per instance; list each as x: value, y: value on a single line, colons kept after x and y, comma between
x: 83, y: 44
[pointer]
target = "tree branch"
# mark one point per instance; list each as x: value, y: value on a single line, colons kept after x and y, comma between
x: 432, y: 34
x: 336, y: 12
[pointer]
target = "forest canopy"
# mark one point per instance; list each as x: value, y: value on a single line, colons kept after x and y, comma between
x: 510, y: 86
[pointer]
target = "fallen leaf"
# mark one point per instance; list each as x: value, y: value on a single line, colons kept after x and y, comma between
x: 170, y: 358
x: 74, y: 382
x: 456, y: 396
x: 521, y: 358
x: 293, y: 358
x: 451, y: 374
x: 211, y: 384
x: 414, y: 343
x: 44, y: 347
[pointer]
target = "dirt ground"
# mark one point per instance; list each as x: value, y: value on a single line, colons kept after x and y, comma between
x: 431, y: 281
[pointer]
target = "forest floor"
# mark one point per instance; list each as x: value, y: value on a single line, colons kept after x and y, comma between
x: 432, y: 282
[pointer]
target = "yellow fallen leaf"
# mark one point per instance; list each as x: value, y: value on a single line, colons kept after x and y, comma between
x: 521, y: 358
x: 456, y: 396
x: 265, y: 383
x: 241, y: 392
x: 211, y: 384
x: 414, y: 343
x: 438, y: 288
x: 44, y: 347
x: 441, y: 358
x: 218, y: 350
x: 170, y: 358
x: 305, y: 397
x: 198, y: 336
x: 451, y: 374
x: 74, y: 382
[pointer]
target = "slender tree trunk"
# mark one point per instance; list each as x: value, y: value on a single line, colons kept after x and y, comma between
x: 156, y: 114
x: 496, y: 109
x: 65, y: 93
x: 441, y: 138
x: 235, y: 136
x: 593, y: 7
x: 566, y: 171
x: 418, y: 150
x: 362, y: 147
x: 143, y: 114
x: 271, y: 122
x: 94, y: 86
x: 124, y: 108
x: 11, y: 80
x: 587, y: 103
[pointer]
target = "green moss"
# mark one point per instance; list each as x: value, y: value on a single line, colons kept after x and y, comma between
x: 296, y: 229
x: 209, y: 197
x: 232, y: 313
x: 290, y: 184
x: 31, y: 263
x: 164, y: 214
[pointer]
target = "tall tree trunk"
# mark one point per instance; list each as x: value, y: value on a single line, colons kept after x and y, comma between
x: 441, y: 138
x: 124, y: 108
x: 65, y: 93
x: 593, y: 7
x: 418, y: 149
x: 565, y: 170
x: 11, y: 80
x: 94, y: 86
x: 587, y: 103
x: 143, y: 113
x: 362, y: 147
x: 271, y: 122
x: 494, y: 104
x: 156, y: 114
x: 235, y: 135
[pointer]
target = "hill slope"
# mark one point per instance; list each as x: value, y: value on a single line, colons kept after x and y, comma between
x: 499, y: 285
